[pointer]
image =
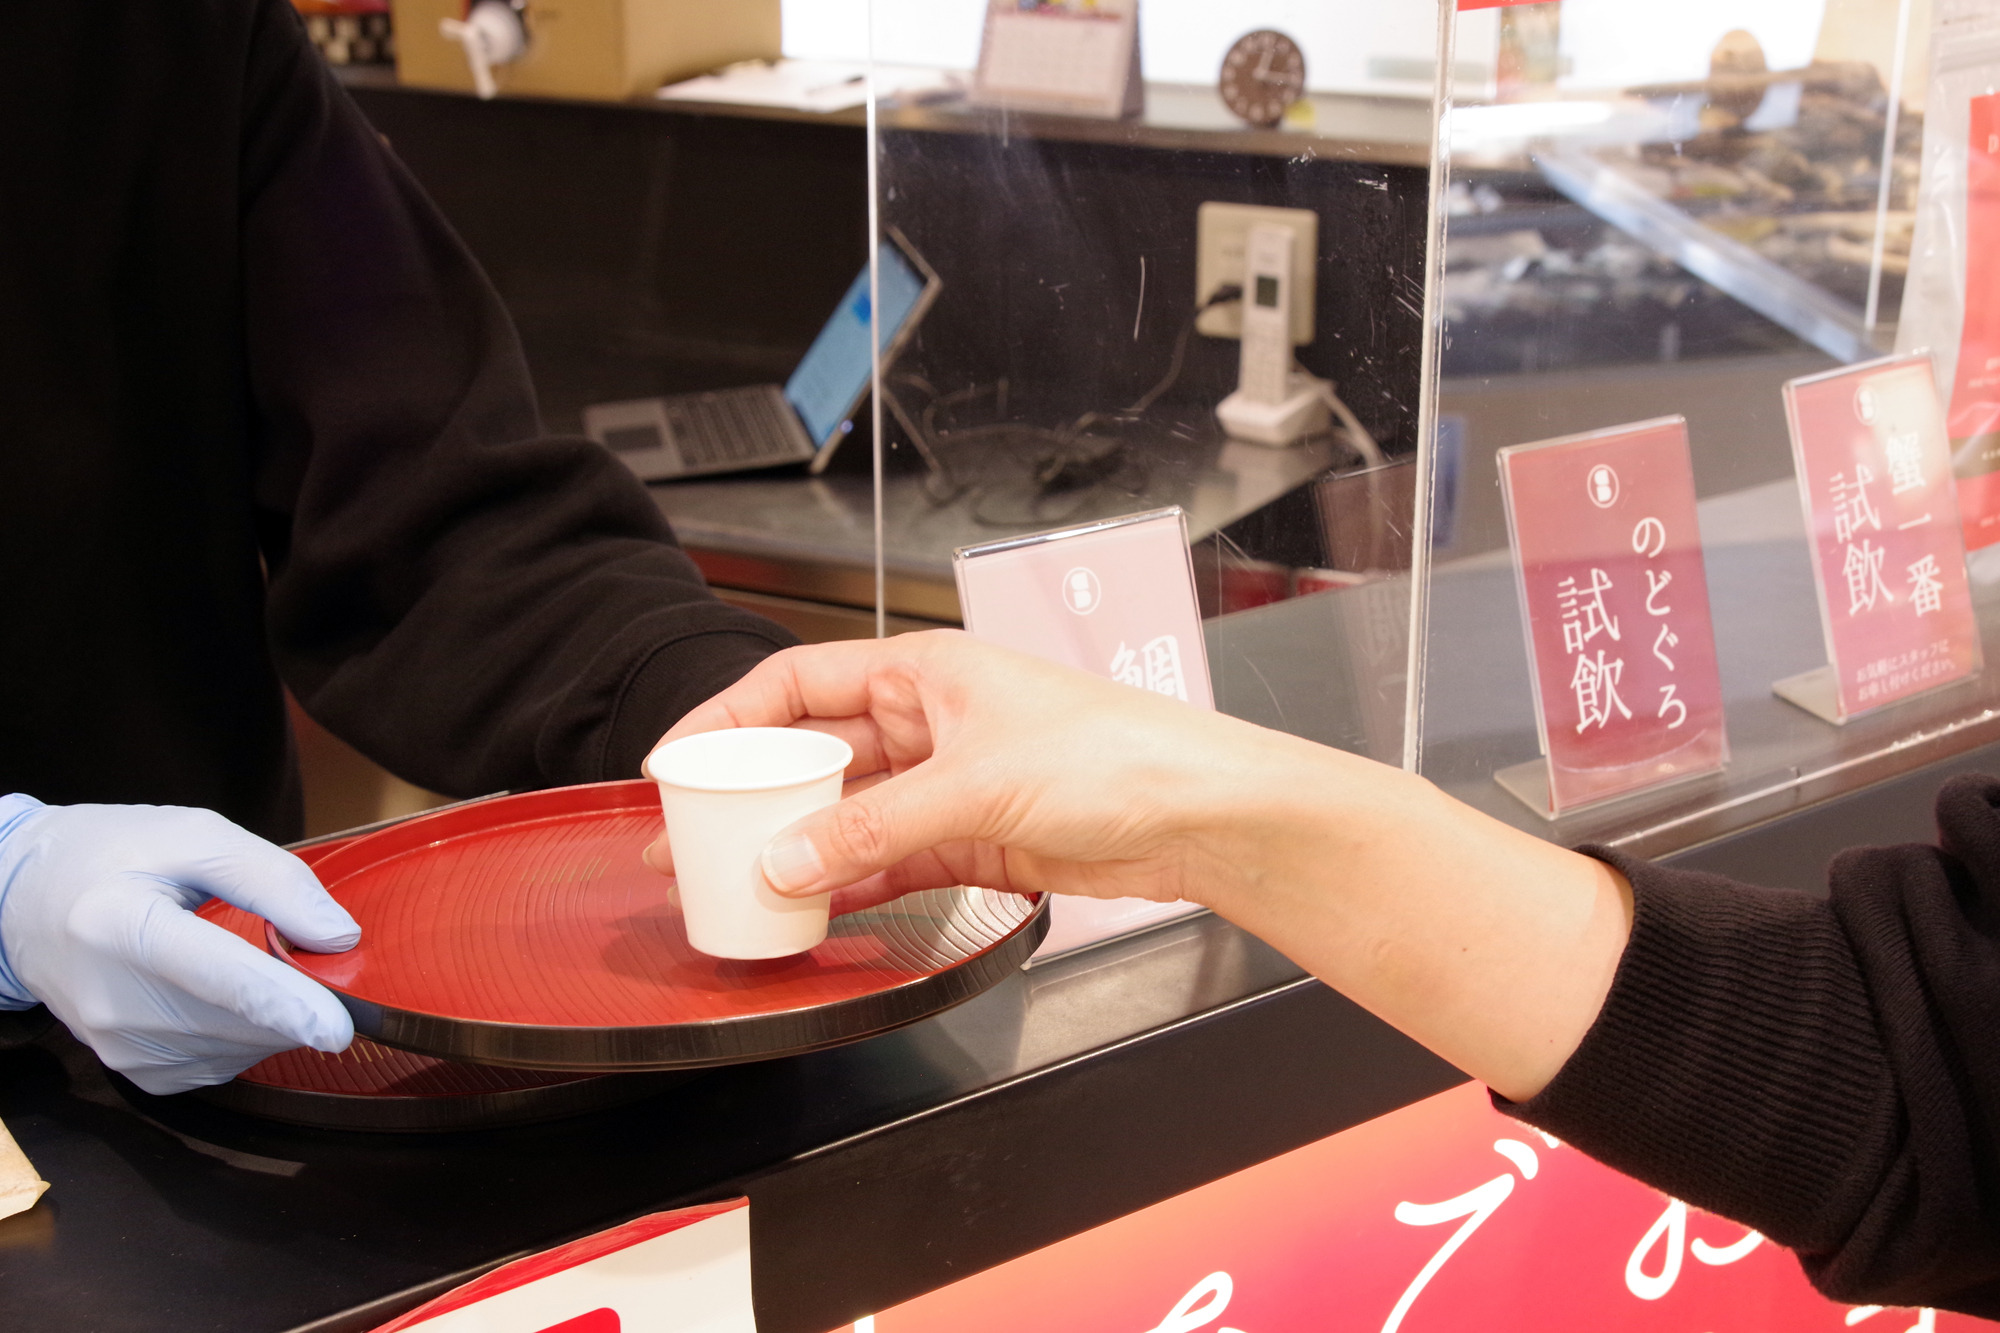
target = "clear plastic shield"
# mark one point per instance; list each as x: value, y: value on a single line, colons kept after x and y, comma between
x: 1676, y: 213
x: 1101, y: 197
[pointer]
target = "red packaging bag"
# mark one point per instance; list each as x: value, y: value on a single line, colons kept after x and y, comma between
x: 1974, y: 419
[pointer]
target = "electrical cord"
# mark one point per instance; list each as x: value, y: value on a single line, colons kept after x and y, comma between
x: 1226, y: 294
x: 1357, y: 434
x: 1073, y: 460
x: 1063, y: 467
x: 1374, y: 464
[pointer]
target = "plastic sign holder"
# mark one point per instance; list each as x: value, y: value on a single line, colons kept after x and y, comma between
x: 1614, y: 598
x: 1068, y: 57
x: 1115, y: 598
x: 1875, y: 478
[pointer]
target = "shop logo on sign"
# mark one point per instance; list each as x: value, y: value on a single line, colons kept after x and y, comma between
x: 1603, y: 483
x: 1081, y: 591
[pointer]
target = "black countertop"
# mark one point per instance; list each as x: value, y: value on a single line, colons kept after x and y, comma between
x: 1073, y: 1093
x: 1070, y: 1095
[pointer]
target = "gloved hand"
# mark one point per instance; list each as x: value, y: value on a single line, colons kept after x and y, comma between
x: 96, y: 922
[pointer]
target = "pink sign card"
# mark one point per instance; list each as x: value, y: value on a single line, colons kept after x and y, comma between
x: 1875, y: 475
x: 1608, y: 554
x: 1114, y: 598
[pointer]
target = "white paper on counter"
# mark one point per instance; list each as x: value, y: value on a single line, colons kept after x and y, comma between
x: 693, y: 1279
x: 19, y: 1185
x: 1077, y: 923
x: 804, y: 85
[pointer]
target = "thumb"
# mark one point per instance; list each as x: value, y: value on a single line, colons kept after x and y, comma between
x: 248, y: 872
x: 215, y: 967
x: 870, y: 831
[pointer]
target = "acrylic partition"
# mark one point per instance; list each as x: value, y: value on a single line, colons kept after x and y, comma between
x: 1699, y: 221
x: 1078, y: 342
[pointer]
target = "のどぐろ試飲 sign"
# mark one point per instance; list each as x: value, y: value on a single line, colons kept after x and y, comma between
x: 1607, y: 555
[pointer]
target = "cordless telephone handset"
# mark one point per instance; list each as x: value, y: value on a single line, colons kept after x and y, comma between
x: 1267, y: 304
x: 1274, y: 403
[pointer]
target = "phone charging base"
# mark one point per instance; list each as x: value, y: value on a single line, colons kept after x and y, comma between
x: 1300, y: 414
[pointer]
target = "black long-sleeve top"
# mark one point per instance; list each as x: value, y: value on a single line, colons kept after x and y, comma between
x: 263, y: 418
x: 1826, y: 1071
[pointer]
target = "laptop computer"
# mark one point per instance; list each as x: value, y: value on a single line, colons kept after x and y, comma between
x: 763, y: 425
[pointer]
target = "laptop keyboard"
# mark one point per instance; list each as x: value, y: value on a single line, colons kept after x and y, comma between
x: 735, y: 428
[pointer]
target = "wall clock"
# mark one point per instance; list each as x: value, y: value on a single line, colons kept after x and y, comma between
x: 1263, y: 74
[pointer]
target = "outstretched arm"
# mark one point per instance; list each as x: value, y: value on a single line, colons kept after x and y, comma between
x: 981, y: 766
x: 1826, y: 1071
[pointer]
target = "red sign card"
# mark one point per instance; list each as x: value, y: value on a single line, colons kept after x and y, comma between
x: 1975, y: 395
x: 1889, y: 561
x: 1608, y: 553
x: 1438, y: 1218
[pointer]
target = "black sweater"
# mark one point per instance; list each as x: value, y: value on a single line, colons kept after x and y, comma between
x: 1826, y: 1071
x: 260, y: 409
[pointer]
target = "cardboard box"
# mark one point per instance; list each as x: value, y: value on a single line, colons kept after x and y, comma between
x: 604, y: 49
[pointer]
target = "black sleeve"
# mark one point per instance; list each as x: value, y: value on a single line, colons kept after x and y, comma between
x: 472, y: 603
x: 19, y: 1027
x: 1827, y: 1072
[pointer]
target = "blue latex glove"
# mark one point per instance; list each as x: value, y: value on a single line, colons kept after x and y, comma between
x: 97, y: 922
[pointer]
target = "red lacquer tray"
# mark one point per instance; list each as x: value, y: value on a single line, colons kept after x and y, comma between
x: 375, y: 1087
x: 525, y: 932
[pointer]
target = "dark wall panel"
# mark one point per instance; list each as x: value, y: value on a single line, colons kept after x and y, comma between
x: 642, y: 252
x: 651, y: 251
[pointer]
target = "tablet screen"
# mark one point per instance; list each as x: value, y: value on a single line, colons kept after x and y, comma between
x: 834, y: 374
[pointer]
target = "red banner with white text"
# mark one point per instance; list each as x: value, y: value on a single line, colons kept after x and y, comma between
x: 1442, y: 1217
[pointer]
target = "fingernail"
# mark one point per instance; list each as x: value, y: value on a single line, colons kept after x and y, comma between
x: 792, y: 864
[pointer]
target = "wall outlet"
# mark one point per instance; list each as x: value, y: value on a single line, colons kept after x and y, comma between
x: 1222, y: 233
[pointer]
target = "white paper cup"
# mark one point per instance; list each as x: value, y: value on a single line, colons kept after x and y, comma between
x: 726, y: 794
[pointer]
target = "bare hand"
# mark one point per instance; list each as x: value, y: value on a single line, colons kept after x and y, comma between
x: 942, y: 790
x: 978, y: 766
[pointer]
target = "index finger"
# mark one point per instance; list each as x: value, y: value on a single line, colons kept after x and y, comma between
x: 820, y: 680
x: 205, y: 852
